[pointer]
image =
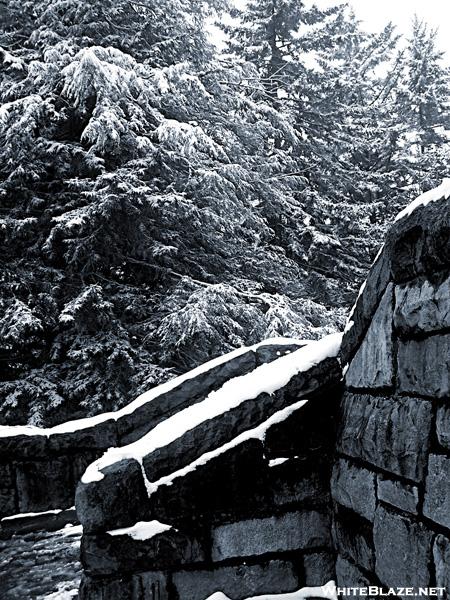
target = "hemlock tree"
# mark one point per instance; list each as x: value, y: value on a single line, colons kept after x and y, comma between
x: 141, y: 195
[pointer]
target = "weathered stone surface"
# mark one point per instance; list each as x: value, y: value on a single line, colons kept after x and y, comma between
x: 57, y: 492
x: 366, y: 304
x: 372, y: 365
x: 402, y: 550
x: 422, y: 306
x: 291, y: 531
x: 212, y: 434
x: 105, y: 589
x: 423, y: 366
x: 118, y: 500
x: 8, y: 496
x: 294, y: 481
x: 399, y: 494
x: 215, y: 432
x: 99, y: 437
x: 269, y: 352
x: 238, y: 583
x: 20, y: 447
x: 20, y: 525
x: 443, y: 426
x: 104, y: 554
x: 441, y: 555
x: 392, y: 434
x: 80, y: 463
x: 348, y: 575
x: 437, y: 490
x: 355, y: 488
x: 149, y: 586
x: 133, y: 426
x: 232, y: 484
x: 312, y: 429
x: 420, y: 243
x: 353, y: 540
x: 318, y: 568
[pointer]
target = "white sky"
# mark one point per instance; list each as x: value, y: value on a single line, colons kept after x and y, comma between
x: 377, y: 13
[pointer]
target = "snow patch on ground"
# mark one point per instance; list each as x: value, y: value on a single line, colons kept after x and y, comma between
x: 442, y: 191
x: 143, y: 530
x: 56, y: 511
x: 277, y: 461
x: 267, y: 378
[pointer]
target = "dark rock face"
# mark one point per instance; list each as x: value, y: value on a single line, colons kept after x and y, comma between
x: 353, y: 540
x: 35, y: 497
x: 441, y: 553
x: 254, y: 537
x: 399, y: 494
x: 349, y: 575
x: 403, y: 550
x: 372, y: 365
x: 422, y: 306
x: 237, y: 582
x: 443, y: 426
x: 424, y: 366
x: 318, y: 568
x: 118, y: 500
x: 8, y: 500
x: 105, y: 554
x: 355, y: 488
x: 392, y: 434
x: 437, y: 490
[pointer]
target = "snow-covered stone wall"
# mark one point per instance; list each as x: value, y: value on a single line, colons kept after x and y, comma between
x: 391, y: 478
x: 231, y: 495
x: 59, y: 456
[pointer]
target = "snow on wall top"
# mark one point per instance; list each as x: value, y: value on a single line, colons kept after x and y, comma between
x: 439, y: 193
x: 152, y: 394
x: 267, y: 378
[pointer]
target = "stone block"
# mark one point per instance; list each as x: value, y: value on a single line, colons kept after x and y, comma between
x: 403, y: 550
x: 348, y: 575
x: 20, y: 447
x: 399, y: 494
x: 420, y: 242
x: 366, y: 304
x: 270, y: 352
x: 422, y: 306
x: 254, y: 537
x: 120, y: 499
x: 8, y: 495
x: 437, y: 490
x: 392, y: 434
x: 443, y: 426
x: 237, y: 582
x: 318, y: 568
x: 99, y: 437
x: 105, y: 589
x: 312, y: 429
x: 423, y: 366
x: 57, y: 492
x: 353, y: 540
x: 134, y: 425
x: 232, y: 484
x: 104, y: 554
x: 151, y: 585
x: 372, y: 365
x: 294, y: 481
x: 355, y: 488
x: 441, y: 555
x: 80, y: 463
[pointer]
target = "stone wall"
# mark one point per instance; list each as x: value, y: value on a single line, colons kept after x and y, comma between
x: 246, y: 497
x: 60, y: 455
x: 391, y: 478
